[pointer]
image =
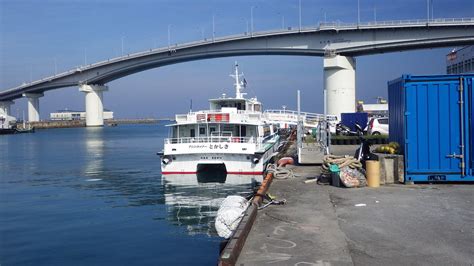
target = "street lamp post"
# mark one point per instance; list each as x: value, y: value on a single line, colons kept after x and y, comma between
x: 169, y: 36
x: 358, y: 12
x: 55, y: 67
x: 375, y: 15
x: 213, y: 27
x: 427, y: 10
x: 201, y: 29
x: 300, y: 13
x: 122, y: 44
x: 251, y: 20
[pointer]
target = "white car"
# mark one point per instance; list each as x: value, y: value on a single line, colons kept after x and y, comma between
x: 378, y: 126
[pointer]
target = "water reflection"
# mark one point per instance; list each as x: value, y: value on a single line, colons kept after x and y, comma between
x: 193, y: 201
x: 94, y: 152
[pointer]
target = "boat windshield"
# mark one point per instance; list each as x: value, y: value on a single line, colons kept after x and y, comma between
x: 207, y: 131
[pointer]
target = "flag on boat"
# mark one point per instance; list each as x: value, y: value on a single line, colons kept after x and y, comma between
x: 245, y: 82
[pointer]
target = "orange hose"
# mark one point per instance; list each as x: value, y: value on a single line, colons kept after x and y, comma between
x: 257, y: 200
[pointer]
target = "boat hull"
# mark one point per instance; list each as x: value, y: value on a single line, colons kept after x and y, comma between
x: 239, y: 164
x: 234, y: 164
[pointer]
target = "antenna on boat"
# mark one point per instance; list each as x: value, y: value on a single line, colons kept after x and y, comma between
x: 239, y: 85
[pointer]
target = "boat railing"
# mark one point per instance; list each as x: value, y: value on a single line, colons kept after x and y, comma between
x: 221, y: 111
x: 241, y: 114
x: 212, y: 139
x: 290, y: 114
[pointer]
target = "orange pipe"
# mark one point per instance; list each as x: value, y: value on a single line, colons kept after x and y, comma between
x: 257, y: 200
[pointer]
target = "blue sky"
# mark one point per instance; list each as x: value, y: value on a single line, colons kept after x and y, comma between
x: 36, y: 34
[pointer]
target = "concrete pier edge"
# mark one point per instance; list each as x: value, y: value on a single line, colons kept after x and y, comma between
x: 232, y: 249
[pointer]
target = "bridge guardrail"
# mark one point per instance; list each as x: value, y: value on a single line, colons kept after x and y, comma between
x: 322, y: 26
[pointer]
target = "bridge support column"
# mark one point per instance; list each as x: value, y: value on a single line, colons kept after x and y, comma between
x: 339, y: 84
x: 94, y: 104
x: 33, y: 106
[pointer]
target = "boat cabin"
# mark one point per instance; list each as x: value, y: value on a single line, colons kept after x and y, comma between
x: 219, y: 132
x: 252, y: 105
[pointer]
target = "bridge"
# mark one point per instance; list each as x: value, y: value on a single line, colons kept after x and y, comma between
x: 338, y: 43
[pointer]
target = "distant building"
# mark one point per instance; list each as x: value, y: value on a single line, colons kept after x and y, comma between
x: 374, y: 109
x: 68, y: 115
x: 460, y: 61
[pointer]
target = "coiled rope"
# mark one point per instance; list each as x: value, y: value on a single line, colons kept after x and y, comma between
x: 280, y: 172
x: 341, y: 161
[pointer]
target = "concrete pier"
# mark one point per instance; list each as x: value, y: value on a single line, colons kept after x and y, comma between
x: 339, y: 84
x: 33, y: 106
x: 398, y: 225
x: 94, y: 104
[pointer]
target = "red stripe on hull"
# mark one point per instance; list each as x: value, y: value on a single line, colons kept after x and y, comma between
x: 175, y: 173
x: 230, y: 173
x: 244, y: 173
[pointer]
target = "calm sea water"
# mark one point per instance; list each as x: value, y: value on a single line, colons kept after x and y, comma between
x: 95, y: 196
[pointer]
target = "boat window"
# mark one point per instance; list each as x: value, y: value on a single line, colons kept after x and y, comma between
x: 266, y: 131
x: 257, y: 108
x: 212, y: 129
x: 275, y: 128
x: 193, y: 133
x: 243, y: 131
x: 202, y: 131
x: 174, y: 132
x: 252, y: 131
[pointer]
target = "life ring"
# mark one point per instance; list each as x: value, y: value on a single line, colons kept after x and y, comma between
x: 284, y: 161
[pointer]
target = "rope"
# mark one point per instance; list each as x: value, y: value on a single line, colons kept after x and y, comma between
x: 341, y: 161
x: 280, y: 172
x: 272, y: 202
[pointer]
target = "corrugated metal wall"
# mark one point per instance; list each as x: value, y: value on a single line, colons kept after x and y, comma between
x: 426, y: 118
x: 396, y: 108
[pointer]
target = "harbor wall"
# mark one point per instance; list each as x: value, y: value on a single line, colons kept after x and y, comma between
x: 81, y: 123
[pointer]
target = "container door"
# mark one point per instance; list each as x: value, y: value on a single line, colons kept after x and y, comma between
x: 433, y: 129
x: 470, y: 137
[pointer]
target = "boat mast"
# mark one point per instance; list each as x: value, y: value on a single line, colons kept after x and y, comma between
x: 239, y: 85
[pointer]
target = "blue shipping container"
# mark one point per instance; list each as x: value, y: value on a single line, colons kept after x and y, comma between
x: 431, y: 117
x: 350, y: 119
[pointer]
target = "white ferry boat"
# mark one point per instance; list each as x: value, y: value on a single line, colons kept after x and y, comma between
x: 231, y: 137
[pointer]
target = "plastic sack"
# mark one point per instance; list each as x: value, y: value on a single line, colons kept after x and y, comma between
x: 229, y: 215
x: 352, y: 177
